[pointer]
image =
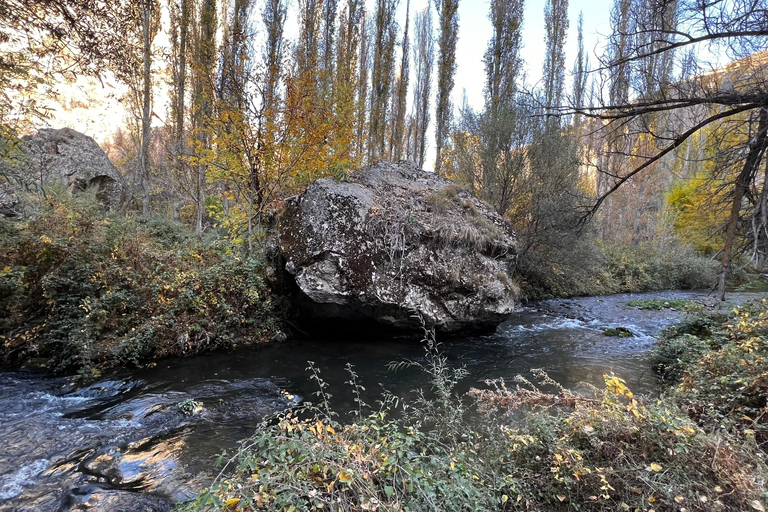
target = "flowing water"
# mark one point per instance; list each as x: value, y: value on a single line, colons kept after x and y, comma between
x: 146, y: 438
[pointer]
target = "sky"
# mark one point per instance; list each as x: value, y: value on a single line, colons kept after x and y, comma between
x: 475, y: 32
x: 101, y: 113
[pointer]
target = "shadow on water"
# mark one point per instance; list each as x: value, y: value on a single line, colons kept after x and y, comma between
x: 127, y: 443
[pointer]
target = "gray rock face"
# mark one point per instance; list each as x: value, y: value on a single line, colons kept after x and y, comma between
x: 76, y: 160
x: 391, y: 241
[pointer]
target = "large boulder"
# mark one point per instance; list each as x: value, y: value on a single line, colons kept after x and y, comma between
x: 76, y: 160
x: 391, y: 241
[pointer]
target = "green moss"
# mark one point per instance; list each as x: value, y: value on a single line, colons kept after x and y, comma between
x: 659, y: 304
x: 620, y: 332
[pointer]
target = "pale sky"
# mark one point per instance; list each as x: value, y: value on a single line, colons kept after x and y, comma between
x: 475, y: 32
x: 101, y: 113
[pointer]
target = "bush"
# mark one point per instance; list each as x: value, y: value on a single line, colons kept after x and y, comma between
x: 506, y: 449
x: 84, y: 289
x: 587, y: 267
x: 720, y: 371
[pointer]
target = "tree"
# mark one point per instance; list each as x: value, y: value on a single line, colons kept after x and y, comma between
x: 424, y: 60
x: 385, y: 34
x: 180, y: 25
x: 448, y: 15
x: 641, y: 45
x: 347, y: 84
x: 328, y: 35
x: 580, y: 71
x: 273, y: 17
x: 149, y: 24
x: 399, y: 99
x: 204, y: 78
x: 362, y: 98
x: 53, y: 40
x: 556, y: 26
x: 503, y: 126
x: 308, y: 47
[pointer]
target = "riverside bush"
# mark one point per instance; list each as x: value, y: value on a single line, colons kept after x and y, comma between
x: 499, y: 448
x: 718, y: 366
x: 588, y: 267
x: 83, y: 289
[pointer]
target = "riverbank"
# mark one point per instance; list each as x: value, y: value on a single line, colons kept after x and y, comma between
x: 531, y: 444
x: 85, y: 291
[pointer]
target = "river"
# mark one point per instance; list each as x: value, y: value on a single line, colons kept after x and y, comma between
x: 144, y: 438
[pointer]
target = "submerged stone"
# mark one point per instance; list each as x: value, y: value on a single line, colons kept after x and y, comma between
x: 393, y: 243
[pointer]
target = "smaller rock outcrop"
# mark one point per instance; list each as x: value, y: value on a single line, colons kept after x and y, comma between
x: 74, y: 159
x: 392, y: 241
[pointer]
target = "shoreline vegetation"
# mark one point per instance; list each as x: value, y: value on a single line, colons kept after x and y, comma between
x: 530, y: 444
x: 83, y: 290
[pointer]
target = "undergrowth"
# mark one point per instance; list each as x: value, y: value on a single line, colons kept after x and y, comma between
x: 531, y: 446
x: 588, y: 267
x: 81, y: 289
x: 717, y: 369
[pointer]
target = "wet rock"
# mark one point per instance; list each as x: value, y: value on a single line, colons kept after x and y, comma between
x: 72, y: 158
x: 121, y: 501
x: 111, y: 445
x: 392, y: 241
x: 107, y: 389
x: 620, y: 332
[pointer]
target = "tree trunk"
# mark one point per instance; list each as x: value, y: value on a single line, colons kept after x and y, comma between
x: 200, y: 199
x: 757, y: 147
x: 146, y: 109
x: 181, y: 87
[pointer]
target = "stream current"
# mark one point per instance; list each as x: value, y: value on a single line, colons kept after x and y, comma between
x: 126, y: 443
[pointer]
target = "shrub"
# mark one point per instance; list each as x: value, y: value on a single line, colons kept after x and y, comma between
x: 84, y: 289
x: 720, y: 370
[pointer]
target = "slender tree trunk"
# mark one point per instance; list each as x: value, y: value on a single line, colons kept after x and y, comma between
x: 146, y: 109
x: 756, y: 149
x: 181, y: 80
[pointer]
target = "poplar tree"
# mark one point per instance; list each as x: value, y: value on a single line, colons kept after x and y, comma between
x: 180, y: 21
x: 400, y: 100
x: 556, y: 26
x: 448, y: 21
x: 347, y: 79
x: 328, y: 31
x: 424, y: 60
x: 307, y: 48
x: 361, y: 98
x: 580, y: 70
x: 385, y: 34
x: 503, y: 130
x: 273, y: 18
x: 204, y: 55
x: 149, y: 24
x: 234, y: 51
